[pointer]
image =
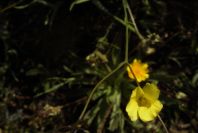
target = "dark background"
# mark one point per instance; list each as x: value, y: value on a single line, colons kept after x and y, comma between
x: 43, y: 43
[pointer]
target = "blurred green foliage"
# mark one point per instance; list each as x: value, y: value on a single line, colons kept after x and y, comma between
x: 53, y: 53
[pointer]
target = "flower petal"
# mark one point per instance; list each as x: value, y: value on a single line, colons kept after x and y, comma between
x: 131, y: 109
x: 145, y: 114
x: 137, y: 93
x: 134, y: 93
x: 140, y: 70
x: 152, y: 91
x: 145, y: 66
x: 156, y: 107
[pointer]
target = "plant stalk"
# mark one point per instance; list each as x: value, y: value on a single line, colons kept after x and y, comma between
x: 163, y: 124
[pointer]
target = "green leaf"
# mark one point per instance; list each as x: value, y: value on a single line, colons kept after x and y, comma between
x: 55, y: 87
x: 97, y: 112
x: 102, y: 90
x: 33, y: 72
x: 76, y: 2
x: 39, y: 69
x: 116, y: 120
x: 67, y: 69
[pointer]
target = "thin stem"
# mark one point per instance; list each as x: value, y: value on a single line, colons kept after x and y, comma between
x: 133, y: 74
x: 127, y: 40
x: 127, y: 45
x: 124, y: 23
x: 134, y: 23
x: 126, y: 32
x: 108, y: 30
x: 163, y: 124
x: 97, y: 85
x: 9, y: 7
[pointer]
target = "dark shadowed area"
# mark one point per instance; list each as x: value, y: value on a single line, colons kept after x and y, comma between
x: 54, y: 52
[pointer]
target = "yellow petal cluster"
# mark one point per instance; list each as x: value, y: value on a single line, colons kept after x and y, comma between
x: 139, y: 69
x: 144, y: 103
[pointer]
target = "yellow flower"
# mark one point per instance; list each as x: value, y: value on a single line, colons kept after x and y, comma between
x: 140, y: 70
x: 144, y: 103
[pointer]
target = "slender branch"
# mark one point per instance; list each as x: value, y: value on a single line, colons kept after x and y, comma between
x: 126, y: 32
x: 134, y: 23
x: 9, y: 7
x: 163, y: 124
x: 97, y: 85
x: 127, y: 45
x: 124, y: 23
x: 127, y: 40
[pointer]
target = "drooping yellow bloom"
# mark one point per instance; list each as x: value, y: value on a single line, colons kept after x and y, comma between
x: 139, y: 69
x: 144, y: 103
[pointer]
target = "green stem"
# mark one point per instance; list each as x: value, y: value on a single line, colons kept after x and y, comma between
x: 9, y: 7
x: 126, y: 32
x: 125, y: 5
x: 163, y: 124
x: 97, y: 85
x: 134, y: 23
x: 124, y: 23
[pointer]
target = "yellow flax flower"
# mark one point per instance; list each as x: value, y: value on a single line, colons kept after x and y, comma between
x: 144, y: 103
x: 139, y: 69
